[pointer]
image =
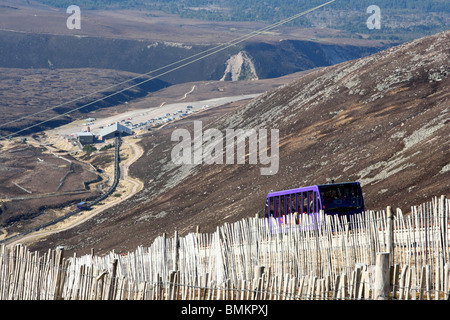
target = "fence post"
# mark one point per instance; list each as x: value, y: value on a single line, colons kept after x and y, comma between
x: 257, y: 281
x: 390, y: 234
x: 59, y: 266
x: 444, y: 226
x: 395, y: 281
x: 423, y: 275
x: 112, y: 286
x: 171, y: 293
x: 446, y: 281
x: 176, y: 251
x: 259, y: 270
x: 382, y: 276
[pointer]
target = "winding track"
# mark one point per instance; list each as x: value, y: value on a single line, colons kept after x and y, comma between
x: 38, y: 232
x: 33, y: 233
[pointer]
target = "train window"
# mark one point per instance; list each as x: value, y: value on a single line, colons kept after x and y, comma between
x: 276, y: 211
x: 341, y: 198
x: 314, y: 202
x: 290, y: 204
x: 286, y: 205
x: 304, y: 202
x: 309, y: 202
x: 317, y: 201
x: 270, y: 207
x: 294, y: 203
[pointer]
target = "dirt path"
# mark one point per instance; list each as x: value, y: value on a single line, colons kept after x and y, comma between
x: 128, y: 186
x: 187, y: 93
x: 131, y: 186
x: 137, y: 184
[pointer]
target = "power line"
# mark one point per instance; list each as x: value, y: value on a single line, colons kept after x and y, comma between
x: 203, y: 55
x: 118, y: 84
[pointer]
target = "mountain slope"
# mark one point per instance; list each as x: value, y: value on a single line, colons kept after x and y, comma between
x: 382, y: 120
x: 34, y: 50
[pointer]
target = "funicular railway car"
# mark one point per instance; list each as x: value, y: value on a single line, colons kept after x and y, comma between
x: 82, y: 205
x: 341, y: 199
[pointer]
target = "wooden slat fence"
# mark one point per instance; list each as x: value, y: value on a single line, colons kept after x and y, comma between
x: 251, y: 259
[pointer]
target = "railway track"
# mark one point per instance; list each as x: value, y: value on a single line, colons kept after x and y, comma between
x: 76, y: 211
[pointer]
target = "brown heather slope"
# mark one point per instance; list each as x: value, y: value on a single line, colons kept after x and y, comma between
x: 382, y: 120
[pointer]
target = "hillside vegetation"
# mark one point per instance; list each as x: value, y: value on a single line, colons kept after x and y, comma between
x: 382, y: 120
x: 402, y: 20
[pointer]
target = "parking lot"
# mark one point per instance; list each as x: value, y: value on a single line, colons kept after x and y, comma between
x: 144, y: 118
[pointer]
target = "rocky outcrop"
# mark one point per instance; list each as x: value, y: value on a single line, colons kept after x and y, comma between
x: 239, y: 67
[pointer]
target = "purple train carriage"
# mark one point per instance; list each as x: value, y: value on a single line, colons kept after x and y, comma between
x: 341, y: 199
x: 82, y: 205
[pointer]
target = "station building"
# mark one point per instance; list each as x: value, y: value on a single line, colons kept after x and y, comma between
x: 115, y: 130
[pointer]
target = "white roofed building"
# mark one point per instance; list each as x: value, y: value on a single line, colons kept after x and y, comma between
x: 85, y: 137
x: 115, y: 130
